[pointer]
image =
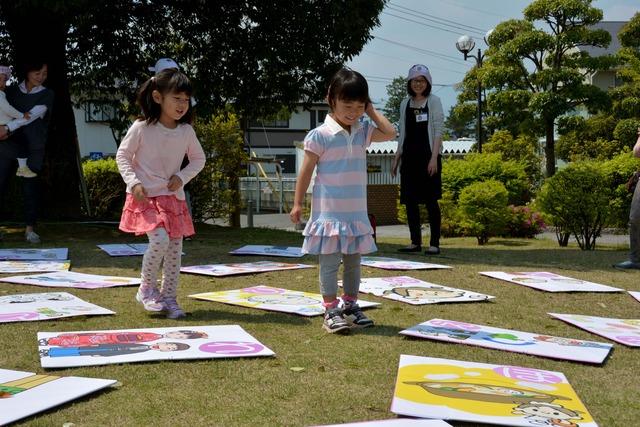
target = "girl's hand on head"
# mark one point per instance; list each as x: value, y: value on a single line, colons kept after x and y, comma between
x: 295, y: 214
x: 174, y: 183
x: 369, y: 109
x: 139, y: 193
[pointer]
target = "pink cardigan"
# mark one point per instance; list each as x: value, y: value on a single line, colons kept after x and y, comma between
x: 151, y: 154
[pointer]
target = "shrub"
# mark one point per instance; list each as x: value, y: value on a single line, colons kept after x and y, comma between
x: 451, y: 219
x: 457, y: 174
x: 214, y: 192
x: 523, y: 150
x: 577, y: 201
x: 483, y: 209
x: 617, y: 171
x: 524, y: 222
x: 106, y: 188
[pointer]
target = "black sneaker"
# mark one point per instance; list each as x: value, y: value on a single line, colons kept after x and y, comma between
x: 334, y: 322
x: 354, y: 316
x: 411, y: 248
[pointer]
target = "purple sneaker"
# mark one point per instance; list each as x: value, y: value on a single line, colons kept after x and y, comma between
x: 172, y: 308
x: 148, y: 297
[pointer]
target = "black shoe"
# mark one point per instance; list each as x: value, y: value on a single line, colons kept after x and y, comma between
x: 354, y: 316
x: 411, y: 248
x: 334, y: 321
x: 628, y: 265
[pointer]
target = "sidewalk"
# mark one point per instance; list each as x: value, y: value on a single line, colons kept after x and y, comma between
x: 282, y: 222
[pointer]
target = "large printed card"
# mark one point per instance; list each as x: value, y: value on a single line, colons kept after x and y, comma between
x: 398, y: 264
x: 624, y: 331
x: 273, y: 299
x: 122, y: 249
x: 23, y: 394
x: 45, y: 306
x: 635, y: 295
x: 37, y: 266
x: 510, y: 340
x: 550, y: 282
x: 483, y: 393
x: 285, y: 251
x: 69, y: 279
x: 241, y: 268
x: 417, y: 292
x: 398, y: 422
x: 28, y: 254
x: 87, y: 348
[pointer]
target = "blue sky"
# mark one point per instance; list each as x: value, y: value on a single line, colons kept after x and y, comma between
x: 399, y: 43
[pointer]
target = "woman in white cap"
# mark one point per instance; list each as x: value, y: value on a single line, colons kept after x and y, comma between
x: 419, y: 157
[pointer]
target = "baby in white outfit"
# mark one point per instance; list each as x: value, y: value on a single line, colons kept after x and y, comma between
x: 14, y: 119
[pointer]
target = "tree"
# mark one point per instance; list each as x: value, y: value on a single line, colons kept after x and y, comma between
x: 604, y: 135
x: 396, y: 92
x: 543, y: 71
x: 257, y: 56
x: 460, y: 120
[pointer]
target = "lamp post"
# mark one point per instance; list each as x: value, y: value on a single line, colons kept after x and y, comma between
x: 465, y: 44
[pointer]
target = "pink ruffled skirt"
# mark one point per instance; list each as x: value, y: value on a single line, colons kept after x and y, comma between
x: 153, y: 212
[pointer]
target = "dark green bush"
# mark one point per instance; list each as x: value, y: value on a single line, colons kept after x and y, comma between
x: 617, y: 171
x: 106, y: 188
x: 577, y: 199
x: 457, y: 174
x: 214, y: 192
x: 483, y: 209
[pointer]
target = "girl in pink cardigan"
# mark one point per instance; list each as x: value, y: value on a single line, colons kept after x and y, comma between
x: 149, y: 160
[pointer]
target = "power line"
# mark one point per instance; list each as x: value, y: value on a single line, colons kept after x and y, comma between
x: 465, y: 7
x: 442, y: 56
x: 440, y: 21
x: 412, y: 61
x: 454, y: 23
x: 421, y: 23
x: 390, y: 79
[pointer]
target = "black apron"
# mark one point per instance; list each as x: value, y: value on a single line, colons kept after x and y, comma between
x: 416, y: 185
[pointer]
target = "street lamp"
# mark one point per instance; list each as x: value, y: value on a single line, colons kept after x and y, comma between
x: 465, y: 44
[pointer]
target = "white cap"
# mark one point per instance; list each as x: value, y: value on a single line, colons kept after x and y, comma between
x: 6, y: 71
x: 419, y: 70
x: 163, y: 64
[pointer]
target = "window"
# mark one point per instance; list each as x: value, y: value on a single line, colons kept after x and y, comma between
x: 277, y: 123
x: 321, y: 115
x: 99, y: 111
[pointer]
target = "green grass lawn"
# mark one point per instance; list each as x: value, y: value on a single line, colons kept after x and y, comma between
x: 346, y: 378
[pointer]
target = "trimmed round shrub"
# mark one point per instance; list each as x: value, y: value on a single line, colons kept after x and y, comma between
x: 106, y: 188
x: 483, y: 209
x: 576, y: 199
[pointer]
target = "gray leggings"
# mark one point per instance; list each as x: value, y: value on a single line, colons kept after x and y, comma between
x: 329, y: 265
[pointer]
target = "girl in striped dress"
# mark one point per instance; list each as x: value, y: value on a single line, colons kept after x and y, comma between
x: 339, y: 228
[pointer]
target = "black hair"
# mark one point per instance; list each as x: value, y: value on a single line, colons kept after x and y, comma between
x: 348, y: 85
x: 28, y: 65
x: 425, y: 92
x: 167, y: 81
x: 194, y: 334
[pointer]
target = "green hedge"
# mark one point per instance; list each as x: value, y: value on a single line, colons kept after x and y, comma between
x: 106, y: 188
